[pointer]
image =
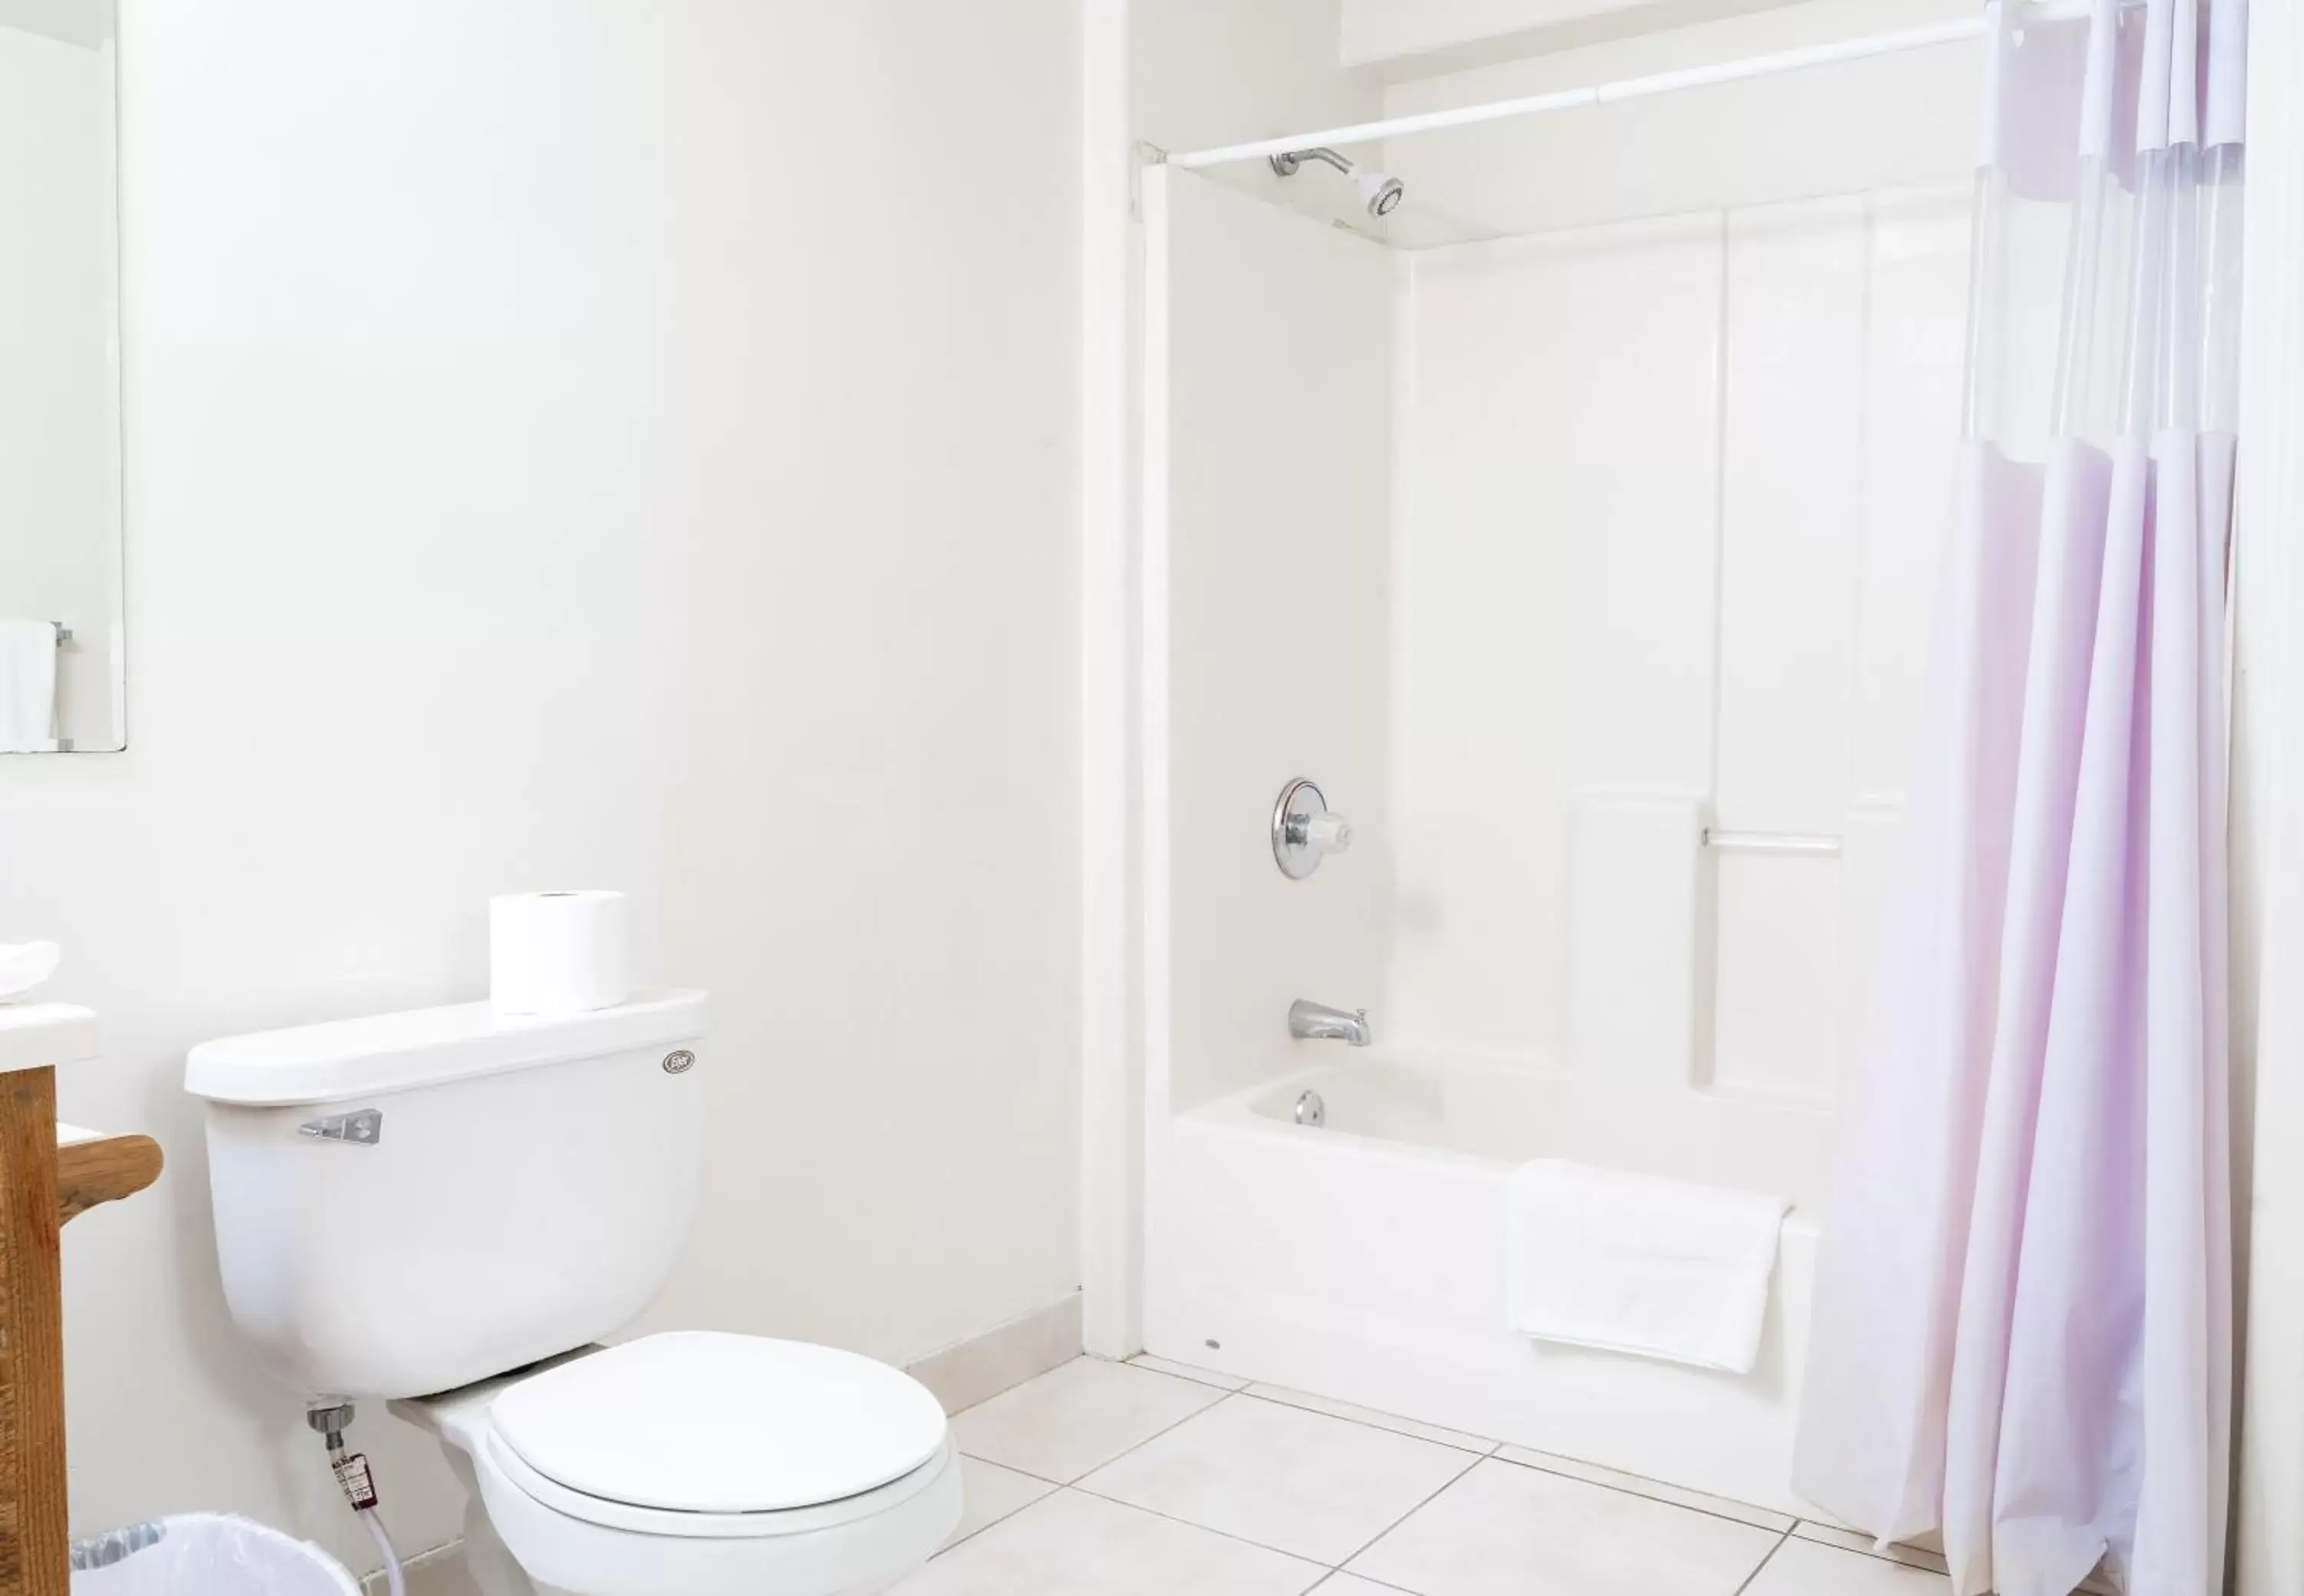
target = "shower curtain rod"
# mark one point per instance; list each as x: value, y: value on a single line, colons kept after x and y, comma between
x: 1642, y: 87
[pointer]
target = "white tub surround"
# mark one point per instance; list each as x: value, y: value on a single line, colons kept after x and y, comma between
x: 1616, y: 614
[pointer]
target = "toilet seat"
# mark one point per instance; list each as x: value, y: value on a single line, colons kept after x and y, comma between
x: 888, y: 1533
x: 715, y: 1526
x: 539, y: 1533
x: 704, y: 1434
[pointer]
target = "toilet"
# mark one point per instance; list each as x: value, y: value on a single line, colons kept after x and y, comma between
x: 449, y: 1207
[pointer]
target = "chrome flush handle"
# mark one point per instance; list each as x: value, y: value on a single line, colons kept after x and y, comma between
x: 363, y: 1128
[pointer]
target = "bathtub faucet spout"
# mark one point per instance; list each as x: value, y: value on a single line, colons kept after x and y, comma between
x: 1316, y: 1022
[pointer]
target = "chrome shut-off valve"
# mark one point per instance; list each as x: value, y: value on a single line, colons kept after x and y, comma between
x: 1304, y: 831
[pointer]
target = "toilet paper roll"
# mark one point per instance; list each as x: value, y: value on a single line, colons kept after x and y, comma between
x: 556, y: 953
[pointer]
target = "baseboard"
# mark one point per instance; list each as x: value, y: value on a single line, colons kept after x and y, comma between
x: 966, y: 1372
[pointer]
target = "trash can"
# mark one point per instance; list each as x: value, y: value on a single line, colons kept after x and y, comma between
x: 205, y: 1554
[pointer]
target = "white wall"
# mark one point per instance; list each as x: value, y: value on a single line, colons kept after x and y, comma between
x: 1379, y: 29
x: 1394, y: 33
x: 606, y: 445
x: 1278, y: 382
x: 1207, y: 73
x: 59, y: 411
x: 2267, y: 884
x: 1203, y: 72
x: 1162, y: 75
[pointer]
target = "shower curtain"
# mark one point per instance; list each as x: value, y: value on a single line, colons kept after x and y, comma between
x: 2022, y: 1331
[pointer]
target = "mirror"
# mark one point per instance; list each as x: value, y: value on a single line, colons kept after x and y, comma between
x: 61, y: 687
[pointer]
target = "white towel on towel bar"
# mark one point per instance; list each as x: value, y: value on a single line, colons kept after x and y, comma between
x: 1632, y: 1263
x: 28, y: 686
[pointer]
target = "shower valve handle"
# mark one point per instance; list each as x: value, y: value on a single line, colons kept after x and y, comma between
x: 1305, y: 830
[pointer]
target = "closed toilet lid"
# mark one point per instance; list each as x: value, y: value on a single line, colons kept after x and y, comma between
x: 700, y: 1422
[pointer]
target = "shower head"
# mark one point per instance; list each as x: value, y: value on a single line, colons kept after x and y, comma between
x: 1381, y: 194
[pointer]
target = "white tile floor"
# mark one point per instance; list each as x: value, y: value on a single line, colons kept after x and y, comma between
x: 1151, y: 1478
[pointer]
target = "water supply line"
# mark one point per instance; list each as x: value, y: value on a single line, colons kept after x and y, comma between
x: 332, y: 1416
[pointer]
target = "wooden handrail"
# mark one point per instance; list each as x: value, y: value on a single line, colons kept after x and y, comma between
x: 92, y: 1168
x: 35, y: 1533
x: 48, y: 1174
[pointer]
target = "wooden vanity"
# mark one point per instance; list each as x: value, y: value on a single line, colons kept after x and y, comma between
x: 49, y: 1172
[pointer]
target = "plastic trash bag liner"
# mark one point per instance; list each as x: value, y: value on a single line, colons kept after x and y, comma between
x: 205, y: 1554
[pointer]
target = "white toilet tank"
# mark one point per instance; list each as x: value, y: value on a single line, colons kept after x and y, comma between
x: 413, y: 1201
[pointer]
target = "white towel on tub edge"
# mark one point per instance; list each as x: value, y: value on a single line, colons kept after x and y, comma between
x: 1636, y: 1263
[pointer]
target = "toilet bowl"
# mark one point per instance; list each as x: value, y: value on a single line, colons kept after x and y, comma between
x: 695, y: 1464
x: 460, y: 1202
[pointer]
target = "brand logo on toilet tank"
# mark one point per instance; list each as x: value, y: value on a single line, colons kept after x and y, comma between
x: 678, y: 1062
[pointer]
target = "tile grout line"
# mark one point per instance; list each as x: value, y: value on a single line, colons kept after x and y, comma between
x: 1364, y: 1579
x: 959, y: 1541
x: 1763, y: 1563
x: 1176, y: 1372
x: 1487, y: 1448
x: 1661, y: 1501
x: 1766, y: 1559
x: 1205, y: 1529
x: 1493, y: 1447
x: 1496, y: 1449
x: 1156, y: 1435
x: 1472, y: 1460
x: 1867, y: 1549
x: 1077, y: 1488
x: 1445, y: 1485
x: 1005, y: 1517
x: 372, y: 1583
x: 1012, y: 1469
x: 1116, y: 1457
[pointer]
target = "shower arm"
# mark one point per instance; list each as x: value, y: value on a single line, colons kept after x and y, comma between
x: 1286, y: 163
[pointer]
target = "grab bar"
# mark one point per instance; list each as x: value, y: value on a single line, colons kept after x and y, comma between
x: 1767, y: 841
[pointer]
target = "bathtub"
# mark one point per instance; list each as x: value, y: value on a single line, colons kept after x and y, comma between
x: 1364, y: 1260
